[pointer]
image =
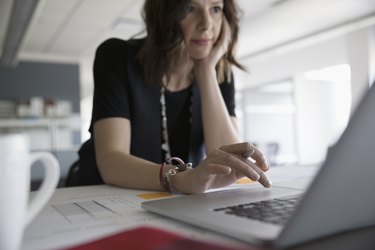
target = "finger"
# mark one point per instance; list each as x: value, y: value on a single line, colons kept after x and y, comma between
x: 227, y: 33
x: 240, y: 165
x: 262, y: 176
x: 217, y: 169
x: 248, y: 153
x: 260, y: 159
x: 229, y: 155
x: 242, y: 149
x: 265, y: 180
x: 247, y: 150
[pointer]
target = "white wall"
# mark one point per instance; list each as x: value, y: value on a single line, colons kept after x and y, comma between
x: 353, y: 49
x: 276, y: 67
x: 358, y: 54
x: 372, y: 54
x: 270, y: 109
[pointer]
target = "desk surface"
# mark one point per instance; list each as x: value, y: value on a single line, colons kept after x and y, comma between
x: 83, y: 214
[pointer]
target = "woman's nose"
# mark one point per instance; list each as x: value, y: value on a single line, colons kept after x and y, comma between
x: 205, y: 22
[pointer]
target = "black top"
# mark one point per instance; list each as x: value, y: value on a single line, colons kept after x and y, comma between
x: 120, y: 91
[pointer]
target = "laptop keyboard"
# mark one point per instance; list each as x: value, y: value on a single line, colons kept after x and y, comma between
x: 276, y: 211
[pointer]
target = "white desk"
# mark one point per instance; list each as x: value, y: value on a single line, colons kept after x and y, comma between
x: 82, y: 214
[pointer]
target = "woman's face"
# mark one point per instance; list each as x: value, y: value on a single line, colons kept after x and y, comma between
x: 201, y: 26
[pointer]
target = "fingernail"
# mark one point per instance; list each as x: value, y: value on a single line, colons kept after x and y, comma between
x: 255, y: 176
x: 268, y: 182
x: 247, y: 154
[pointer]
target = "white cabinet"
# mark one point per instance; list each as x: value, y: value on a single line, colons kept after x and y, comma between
x: 49, y: 134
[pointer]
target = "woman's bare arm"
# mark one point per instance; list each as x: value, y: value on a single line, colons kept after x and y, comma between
x: 117, y: 167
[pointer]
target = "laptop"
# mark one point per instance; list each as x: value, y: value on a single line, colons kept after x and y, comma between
x: 339, y: 198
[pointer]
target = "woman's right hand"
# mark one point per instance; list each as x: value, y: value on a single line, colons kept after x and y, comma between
x: 223, y: 167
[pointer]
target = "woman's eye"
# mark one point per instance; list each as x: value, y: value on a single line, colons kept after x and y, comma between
x: 217, y: 9
x: 189, y: 8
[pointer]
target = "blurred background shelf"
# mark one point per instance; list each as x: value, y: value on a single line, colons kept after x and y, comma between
x: 60, y: 136
x: 49, y: 134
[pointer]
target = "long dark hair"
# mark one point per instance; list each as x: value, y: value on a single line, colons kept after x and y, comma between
x: 164, y: 38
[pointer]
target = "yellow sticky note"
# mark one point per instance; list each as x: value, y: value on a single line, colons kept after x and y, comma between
x: 154, y: 195
x: 244, y: 180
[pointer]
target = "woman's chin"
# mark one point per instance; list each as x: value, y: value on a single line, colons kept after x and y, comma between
x: 200, y: 52
x: 198, y: 56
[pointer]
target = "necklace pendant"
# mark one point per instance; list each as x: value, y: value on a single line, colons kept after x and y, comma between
x: 165, y: 147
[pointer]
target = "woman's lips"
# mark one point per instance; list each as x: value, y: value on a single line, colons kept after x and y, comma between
x: 201, y: 42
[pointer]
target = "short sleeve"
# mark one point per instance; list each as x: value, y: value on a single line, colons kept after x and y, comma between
x: 111, y: 98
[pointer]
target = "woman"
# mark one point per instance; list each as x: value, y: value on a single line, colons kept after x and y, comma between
x: 170, y: 94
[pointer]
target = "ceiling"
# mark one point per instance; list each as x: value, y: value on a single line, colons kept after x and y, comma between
x: 70, y: 30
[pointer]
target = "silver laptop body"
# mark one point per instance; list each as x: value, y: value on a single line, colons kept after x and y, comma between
x: 338, y: 199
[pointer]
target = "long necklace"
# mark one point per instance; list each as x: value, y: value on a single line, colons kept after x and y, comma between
x: 164, y: 123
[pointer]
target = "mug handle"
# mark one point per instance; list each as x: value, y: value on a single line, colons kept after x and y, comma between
x: 47, y: 188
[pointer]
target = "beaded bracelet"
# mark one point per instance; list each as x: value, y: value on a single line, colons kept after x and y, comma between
x: 161, y: 170
x: 165, y: 179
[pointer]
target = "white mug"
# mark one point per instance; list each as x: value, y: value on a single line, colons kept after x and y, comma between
x: 16, y: 212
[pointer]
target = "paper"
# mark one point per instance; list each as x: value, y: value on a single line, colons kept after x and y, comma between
x: 79, y: 215
x: 83, y: 214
